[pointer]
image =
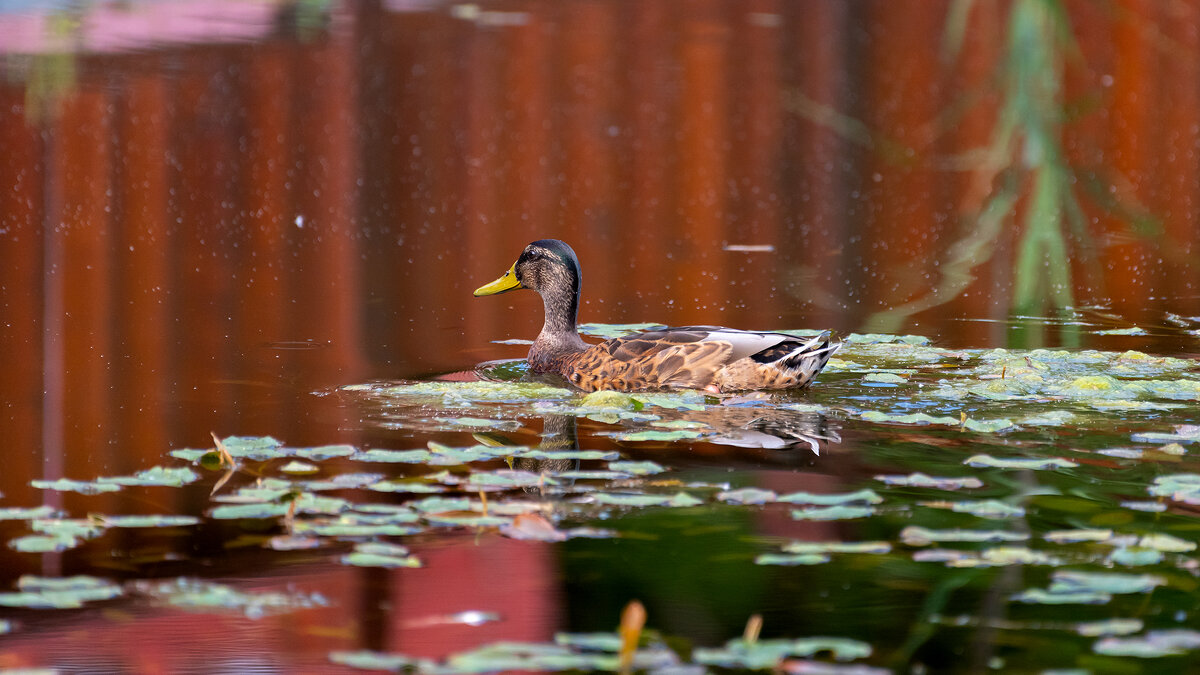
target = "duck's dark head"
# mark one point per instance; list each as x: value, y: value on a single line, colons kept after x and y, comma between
x: 547, y: 266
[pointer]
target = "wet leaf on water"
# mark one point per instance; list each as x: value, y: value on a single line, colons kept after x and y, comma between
x: 982, y: 426
x: 1160, y: 541
x: 342, y: 481
x: 768, y: 653
x: 201, y: 595
x: 380, y: 554
x: 596, y: 474
x: 420, y: 456
x: 1155, y: 643
x: 79, y: 528
x: 837, y: 547
x: 865, y: 496
x: 466, y: 520
x: 299, y: 468
x: 59, y: 592
x: 1109, y: 627
x: 323, y: 452
x: 82, y: 487
x: 684, y: 500
x: 1184, y: 433
x: 27, y: 513
x: 1135, y: 556
x: 258, y: 448
x: 988, y: 508
x: 440, y: 504
x: 833, y: 513
x: 158, y: 475
x: 1038, y: 596
x: 40, y: 543
x: 792, y: 559
x: 748, y: 495
x: 681, y: 424
x: 456, y: 394
x: 1148, y: 507
x: 149, y: 521
x: 1053, y: 418
x: 508, y: 478
x: 616, y: 499
x: 1075, y: 536
x: 924, y: 481
x: 914, y: 535
x: 636, y: 468
x: 1122, y: 331
x: 606, y: 398
x: 1114, y: 583
x: 684, y: 400
x: 1028, y: 463
x: 656, y: 435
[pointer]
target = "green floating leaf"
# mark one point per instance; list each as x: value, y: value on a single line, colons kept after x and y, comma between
x: 479, y: 423
x: 1155, y: 643
x: 1109, y: 627
x: 1134, y: 556
x: 1113, y: 583
x: 158, y: 475
x: 324, y: 452
x: 925, y: 481
x: 988, y: 508
x: 69, y: 528
x: 394, y: 456
x: 59, y: 593
x: 67, y: 485
x: 834, y: 513
x: 257, y: 448
x: 636, y: 468
x: 300, y: 468
x: 768, y: 653
x: 149, y: 521
x: 747, y: 495
x: 673, y: 401
x: 865, y: 496
x: 442, y: 504
x: 200, y: 595
x: 791, y: 559
x: 1053, y: 418
x: 613, y: 499
x: 509, y: 478
x: 1184, y: 433
x: 656, y: 435
x: 38, y: 543
x: 1122, y: 331
x: 914, y: 535
x: 684, y: 500
x: 1030, y: 463
x: 1075, y: 536
x: 610, y: 399
x: 982, y: 426
x: 380, y: 554
x: 597, y: 474
x: 884, y: 378
x: 464, y: 393
x: 1038, y: 596
x: 27, y: 513
x: 1160, y: 541
x: 456, y: 520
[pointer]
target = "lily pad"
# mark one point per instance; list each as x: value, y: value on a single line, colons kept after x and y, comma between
x: 1154, y: 644
x: 82, y: 487
x: 59, y: 592
x: 205, y: 596
x: 1028, y: 463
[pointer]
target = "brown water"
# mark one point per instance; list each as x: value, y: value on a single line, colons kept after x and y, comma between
x: 212, y: 215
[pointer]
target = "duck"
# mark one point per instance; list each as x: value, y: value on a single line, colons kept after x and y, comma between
x: 714, y: 359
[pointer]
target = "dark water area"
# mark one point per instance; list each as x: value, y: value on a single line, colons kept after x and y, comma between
x: 214, y: 217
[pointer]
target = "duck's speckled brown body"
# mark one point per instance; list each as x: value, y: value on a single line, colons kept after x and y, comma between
x: 693, y: 357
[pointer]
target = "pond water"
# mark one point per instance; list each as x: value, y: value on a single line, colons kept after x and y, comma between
x: 253, y: 228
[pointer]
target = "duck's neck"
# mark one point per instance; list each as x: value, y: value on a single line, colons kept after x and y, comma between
x: 559, y: 337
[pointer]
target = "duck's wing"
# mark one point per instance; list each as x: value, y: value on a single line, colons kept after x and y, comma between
x: 655, y: 359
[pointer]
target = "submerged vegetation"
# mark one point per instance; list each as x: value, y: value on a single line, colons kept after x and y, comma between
x: 1073, y: 469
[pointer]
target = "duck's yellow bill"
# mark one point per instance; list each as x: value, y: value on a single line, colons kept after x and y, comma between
x: 504, y: 283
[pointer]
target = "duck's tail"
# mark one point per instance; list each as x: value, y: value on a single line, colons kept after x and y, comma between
x: 808, y: 359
